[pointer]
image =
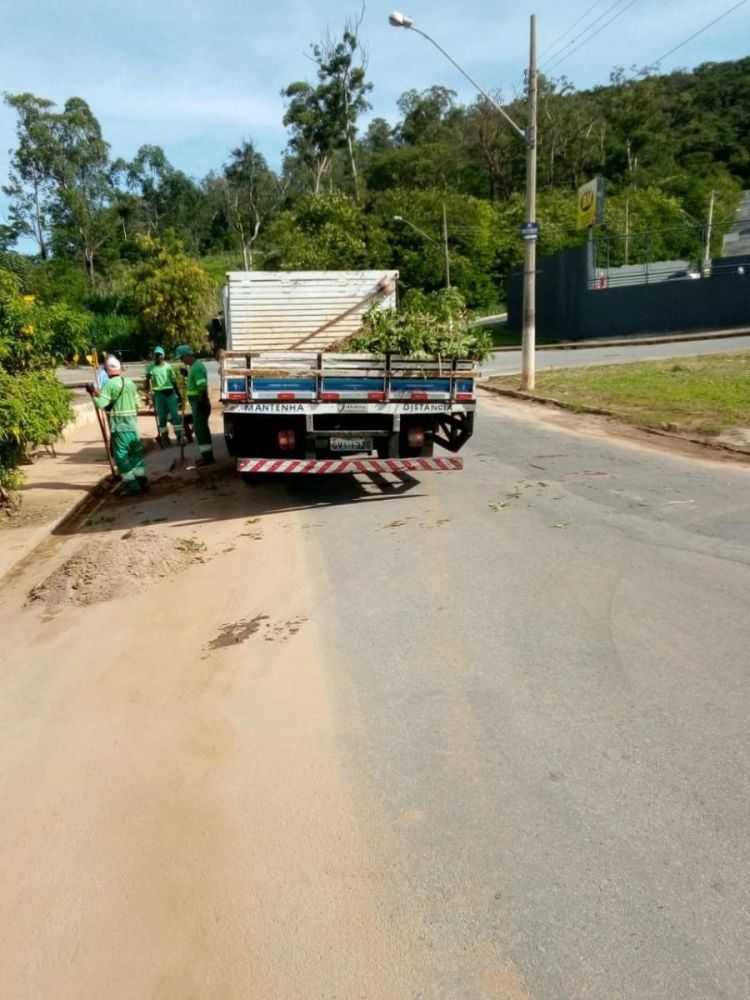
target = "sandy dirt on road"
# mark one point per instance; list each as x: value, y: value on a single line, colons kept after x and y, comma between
x: 175, y: 821
x: 134, y: 558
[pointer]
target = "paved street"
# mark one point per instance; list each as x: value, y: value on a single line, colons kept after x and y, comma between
x: 477, y: 735
x: 509, y: 362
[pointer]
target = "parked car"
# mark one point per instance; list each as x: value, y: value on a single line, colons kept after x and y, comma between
x: 683, y: 276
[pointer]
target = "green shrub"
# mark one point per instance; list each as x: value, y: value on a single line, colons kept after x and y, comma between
x: 34, y: 408
x: 119, y: 334
x: 426, y: 326
x: 172, y: 295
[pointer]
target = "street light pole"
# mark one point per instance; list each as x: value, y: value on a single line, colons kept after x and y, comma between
x: 528, y: 335
x: 528, y: 338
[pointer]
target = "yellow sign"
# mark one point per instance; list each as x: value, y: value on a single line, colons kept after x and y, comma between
x: 590, y: 204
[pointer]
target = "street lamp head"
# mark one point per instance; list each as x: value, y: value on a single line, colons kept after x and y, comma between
x: 399, y: 20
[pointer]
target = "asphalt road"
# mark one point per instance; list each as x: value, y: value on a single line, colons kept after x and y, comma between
x: 547, y: 705
x: 509, y: 362
x: 498, y: 749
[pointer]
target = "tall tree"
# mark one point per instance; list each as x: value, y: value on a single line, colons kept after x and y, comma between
x: 341, y: 70
x: 250, y: 193
x: 426, y: 116
x: 323, y: 117
x: 30, y: 183
x: 154, y: 197
x: 82, y: 209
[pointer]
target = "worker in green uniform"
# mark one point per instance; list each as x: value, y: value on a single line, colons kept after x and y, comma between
x: 164, y: 392
x: 200, y: 405
x: 119, y: 397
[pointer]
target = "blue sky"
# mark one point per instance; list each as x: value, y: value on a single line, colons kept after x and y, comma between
x: 196, y: 77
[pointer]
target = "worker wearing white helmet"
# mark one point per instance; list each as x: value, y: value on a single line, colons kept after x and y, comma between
x: 119, y: 397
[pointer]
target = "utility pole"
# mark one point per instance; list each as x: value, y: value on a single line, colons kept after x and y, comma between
x: 445, y: 246
x: 627, y: 230
x: 709, y: 233
x: 528, y: 341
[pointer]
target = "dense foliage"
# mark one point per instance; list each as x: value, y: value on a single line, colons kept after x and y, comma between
x: 171, y: 294
x: 663, y: 143
x: 34, y: 406
x: 427, y: 325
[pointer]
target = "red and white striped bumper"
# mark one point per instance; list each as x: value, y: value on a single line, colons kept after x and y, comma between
x: 350, y: 465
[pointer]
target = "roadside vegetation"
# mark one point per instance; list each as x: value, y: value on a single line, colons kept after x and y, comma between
x: 427, y: 325
x: 122, y: 252
x: 34, y: 406
x: 355, y: 195
x: 705, y: 396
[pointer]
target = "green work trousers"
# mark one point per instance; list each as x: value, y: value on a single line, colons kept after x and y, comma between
x: 201, y: 409
x: 127, y: 451
x: 166, y: 406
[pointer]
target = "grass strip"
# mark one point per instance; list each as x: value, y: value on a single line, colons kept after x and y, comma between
x: 703, y: 395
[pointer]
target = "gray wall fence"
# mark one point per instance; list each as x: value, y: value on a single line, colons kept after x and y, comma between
x: 568, y: 308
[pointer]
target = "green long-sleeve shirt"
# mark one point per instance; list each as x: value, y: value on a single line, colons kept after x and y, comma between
x: 197, y: 379
x: 119, y: 396
x: 161, y: 377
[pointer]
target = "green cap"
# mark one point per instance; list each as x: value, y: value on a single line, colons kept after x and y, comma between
x: 159, y: 350
x: 182, y: 351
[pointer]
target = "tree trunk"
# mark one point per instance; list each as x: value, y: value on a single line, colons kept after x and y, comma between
x: 353, y: 162
x: 88, y: 261
x: 42, y: 243
x: 319, y: 170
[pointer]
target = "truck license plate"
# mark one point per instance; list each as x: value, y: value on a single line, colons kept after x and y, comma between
x: 351, y: 444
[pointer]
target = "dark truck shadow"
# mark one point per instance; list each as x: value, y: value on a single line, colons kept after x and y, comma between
x: 219, y: 493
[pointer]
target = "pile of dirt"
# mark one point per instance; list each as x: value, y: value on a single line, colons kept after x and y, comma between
x: 99, y: 572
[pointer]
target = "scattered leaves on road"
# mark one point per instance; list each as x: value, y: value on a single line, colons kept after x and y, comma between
x: 190, y: 545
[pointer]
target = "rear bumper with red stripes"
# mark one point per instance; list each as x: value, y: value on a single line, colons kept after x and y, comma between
x: 349, y: 465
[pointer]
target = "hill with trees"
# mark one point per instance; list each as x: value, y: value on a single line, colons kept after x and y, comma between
x: 340, y: 198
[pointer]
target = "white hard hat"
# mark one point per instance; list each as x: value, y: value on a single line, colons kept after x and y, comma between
x: 112, y: 365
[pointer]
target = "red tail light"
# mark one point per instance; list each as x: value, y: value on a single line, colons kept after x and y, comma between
x: 287, y: 440
x: 416, y: 437
x: 463, y: 397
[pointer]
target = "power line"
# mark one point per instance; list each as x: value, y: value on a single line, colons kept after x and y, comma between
x: 700, y: 32
x: 581, y: 34
x: 570, y: 28
x: 593, y: 35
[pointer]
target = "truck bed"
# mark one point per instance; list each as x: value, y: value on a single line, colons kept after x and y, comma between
x: 325, y: 377
x: 307, y: 412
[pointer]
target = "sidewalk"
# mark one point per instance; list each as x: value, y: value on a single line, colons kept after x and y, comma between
x: 54, y: 487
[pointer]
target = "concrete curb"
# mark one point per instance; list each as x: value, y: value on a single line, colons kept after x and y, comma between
x: 561, y: 404
x: 677, y: 338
